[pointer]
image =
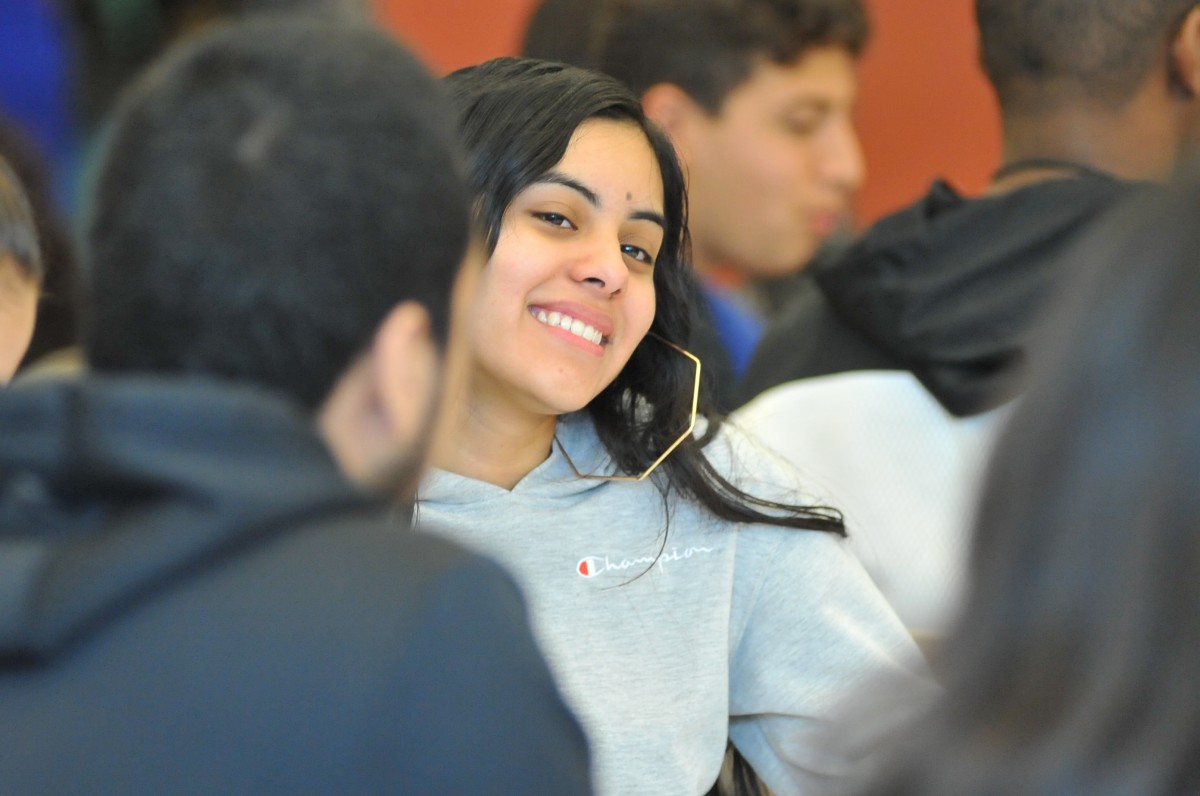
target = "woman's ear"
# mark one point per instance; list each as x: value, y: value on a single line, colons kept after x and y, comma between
x: 1185, y: 56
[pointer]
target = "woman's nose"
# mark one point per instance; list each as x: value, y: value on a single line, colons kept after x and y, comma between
x: 603, y: 267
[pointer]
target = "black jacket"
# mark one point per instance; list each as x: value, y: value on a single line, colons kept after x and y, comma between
x: 946, y: 288
x: 192, y: 600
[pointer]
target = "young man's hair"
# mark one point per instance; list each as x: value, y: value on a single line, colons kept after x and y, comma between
x: 708, y: 47
x: 568, y: 31
x: 18, y: 231
x: 267, y: 195
x: 1038, y: 53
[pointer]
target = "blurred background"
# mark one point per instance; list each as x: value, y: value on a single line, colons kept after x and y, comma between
x: 925, y: 109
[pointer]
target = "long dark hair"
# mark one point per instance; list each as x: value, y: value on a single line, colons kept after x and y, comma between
x: 1073, y: 666
x: 516, y: 119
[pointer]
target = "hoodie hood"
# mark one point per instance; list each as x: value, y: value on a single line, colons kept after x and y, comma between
x: 553, y: 480
x: 950, y: 287
x: 108, y: 488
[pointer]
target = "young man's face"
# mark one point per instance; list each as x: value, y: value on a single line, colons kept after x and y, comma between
x: 773, y: 172
x: 18, y: 312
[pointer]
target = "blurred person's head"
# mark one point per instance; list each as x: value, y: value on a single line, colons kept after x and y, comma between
x: 57, y: 326
x: 1072, y: 668
x: 20, y: 272
x: 116, y: 40
x: 182, y: 17
x: 758, y: 98
x: 282, y: 204
x: 1136, y: 61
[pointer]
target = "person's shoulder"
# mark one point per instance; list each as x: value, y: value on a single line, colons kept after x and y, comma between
x: 505, y: 725
x: 739, y: 455
x: 456, y: 664
x: 372, y: 571
x: 836, y: 396
x: 373, y: 531
x: 845, y: 425
x: 827, y: 432
x: 808, y: 339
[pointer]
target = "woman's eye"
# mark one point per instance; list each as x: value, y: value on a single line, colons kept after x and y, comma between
x: 637, y: 253
x: 555, y: 220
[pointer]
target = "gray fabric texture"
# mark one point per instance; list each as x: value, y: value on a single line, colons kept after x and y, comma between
x: 664, y: 647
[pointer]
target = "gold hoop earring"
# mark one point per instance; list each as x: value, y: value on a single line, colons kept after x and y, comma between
x: 687, y: 432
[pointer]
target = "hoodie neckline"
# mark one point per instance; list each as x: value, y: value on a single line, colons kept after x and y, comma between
x: 552, y: 479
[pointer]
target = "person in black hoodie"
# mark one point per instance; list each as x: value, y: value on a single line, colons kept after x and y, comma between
x: 1072, y: 669
x: 193, y: 597
x: 911, y: 342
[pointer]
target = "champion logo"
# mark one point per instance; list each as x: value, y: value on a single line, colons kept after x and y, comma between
x: 591, y: 566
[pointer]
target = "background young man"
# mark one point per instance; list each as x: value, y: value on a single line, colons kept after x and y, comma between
x: 758, y: 98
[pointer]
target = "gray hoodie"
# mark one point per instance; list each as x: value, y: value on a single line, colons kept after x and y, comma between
x: 666, y: 645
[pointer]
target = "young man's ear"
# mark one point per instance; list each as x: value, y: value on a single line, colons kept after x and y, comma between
x: 674, y: 110
x: 456, y: 360
x: 1185, y: 56
x: 377, y: 418
x: 407, y: 370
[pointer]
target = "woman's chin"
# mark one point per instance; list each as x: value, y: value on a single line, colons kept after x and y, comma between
x: 566, y: 407
x: 564, y: 401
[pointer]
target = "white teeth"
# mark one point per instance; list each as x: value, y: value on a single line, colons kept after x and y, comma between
x: 575, y: 327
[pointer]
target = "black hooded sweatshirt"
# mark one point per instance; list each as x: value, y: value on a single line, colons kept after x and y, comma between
x: 193, y: 600
x: 947, y: 288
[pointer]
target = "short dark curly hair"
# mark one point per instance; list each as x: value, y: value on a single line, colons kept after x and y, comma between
x: 708, y: 47
x: 267, y: 195
x: 1039, y: 52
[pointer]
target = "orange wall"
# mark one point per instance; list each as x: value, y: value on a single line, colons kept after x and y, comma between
x: 453, y: 33
x: 925, y: 109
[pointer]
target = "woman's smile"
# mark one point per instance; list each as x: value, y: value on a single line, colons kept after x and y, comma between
x: 581, y: 323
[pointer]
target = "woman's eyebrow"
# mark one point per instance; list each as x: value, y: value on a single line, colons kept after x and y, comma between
x: 649, y: 215
x: 558, y: 178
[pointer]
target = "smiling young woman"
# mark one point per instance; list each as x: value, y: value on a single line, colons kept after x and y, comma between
x: 569, y: 292
x: 705, y: 601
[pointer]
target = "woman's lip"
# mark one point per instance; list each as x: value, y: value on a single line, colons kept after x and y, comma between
x: 597, y: 320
